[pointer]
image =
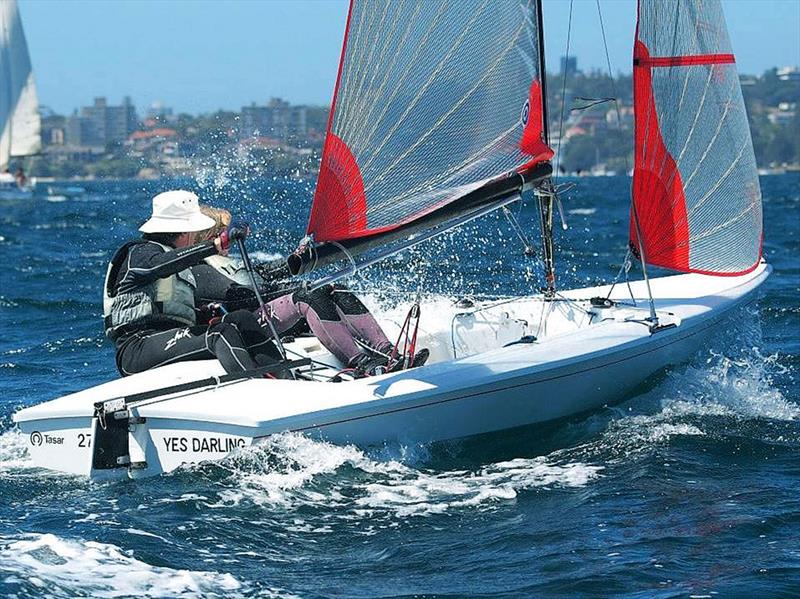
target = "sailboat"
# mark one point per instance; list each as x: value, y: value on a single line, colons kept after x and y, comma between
x: 19, y: 107
x: 438, y: 118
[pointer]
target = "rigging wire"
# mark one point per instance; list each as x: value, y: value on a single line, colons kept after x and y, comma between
x: 563, y: 94
x: 527, y: 247
x: 615, y: 97
x: 653, y: 315
x: 591, y: 103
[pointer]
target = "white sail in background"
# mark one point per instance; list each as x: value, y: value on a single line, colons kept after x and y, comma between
x: 19, y: 106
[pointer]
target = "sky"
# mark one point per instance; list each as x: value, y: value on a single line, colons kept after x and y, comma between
x: 202, y: 55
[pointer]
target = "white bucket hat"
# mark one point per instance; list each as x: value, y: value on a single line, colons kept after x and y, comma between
x: 176, y: 211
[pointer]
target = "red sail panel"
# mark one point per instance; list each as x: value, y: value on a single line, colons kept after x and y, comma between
x: 532, y: 141
x: 657, y: 185
x: 695, y: 184
x: 340, y: 206
x: 433, y: 99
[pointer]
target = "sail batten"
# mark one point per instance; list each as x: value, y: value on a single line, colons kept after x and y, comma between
x: 432, y: 101
x: 684, y: 61
x: 695, y: 185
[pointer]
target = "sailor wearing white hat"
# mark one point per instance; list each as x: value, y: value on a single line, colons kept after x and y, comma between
x: 176, y: 211
x: 149, y: 295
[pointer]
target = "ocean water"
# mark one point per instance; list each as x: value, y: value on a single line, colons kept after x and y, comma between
x: 689, y: 487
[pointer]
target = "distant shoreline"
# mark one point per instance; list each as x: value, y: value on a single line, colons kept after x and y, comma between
x: 787, y: 170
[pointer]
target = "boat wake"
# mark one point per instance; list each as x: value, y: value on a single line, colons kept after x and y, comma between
x: 291, y: 471
x: 46, y: 563
x: 728, y: 391
x: 733, y: 378
x: 14, y: 454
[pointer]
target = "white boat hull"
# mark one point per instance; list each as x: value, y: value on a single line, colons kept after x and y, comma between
x: 582, y: 363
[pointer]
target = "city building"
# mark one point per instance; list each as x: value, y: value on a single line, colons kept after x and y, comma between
x: 98, y: 125
x: 53, y: 129
x: 789, y: 74
x: 277, y: 119
x: 160, y: 112
x: 783, y: 115
x: 569, y: 65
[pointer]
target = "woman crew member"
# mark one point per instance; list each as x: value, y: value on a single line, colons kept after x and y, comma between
x: 335, y: 316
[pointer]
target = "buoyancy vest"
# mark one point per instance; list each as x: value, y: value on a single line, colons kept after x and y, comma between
x: 230, y: 268
x: 166, y: 300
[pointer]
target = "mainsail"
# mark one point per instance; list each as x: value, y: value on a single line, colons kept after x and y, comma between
x: 432, y: 101
x: 695, y: 184
x: 19, y: 107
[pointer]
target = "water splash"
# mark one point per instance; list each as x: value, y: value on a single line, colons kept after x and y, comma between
x: 411, y: 492
x: 56, y: 566
x: 728, y: 388
x: 290, y: 471
x: 14, y: 451
x: 742, y: 385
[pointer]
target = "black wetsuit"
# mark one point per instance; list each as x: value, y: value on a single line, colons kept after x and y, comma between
x: 237, y: 340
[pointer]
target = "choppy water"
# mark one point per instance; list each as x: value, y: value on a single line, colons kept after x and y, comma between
x: 689, y: 488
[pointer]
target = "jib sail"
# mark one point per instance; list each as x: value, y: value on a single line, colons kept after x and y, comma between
x: 432, y: 101
x: 695, y: 184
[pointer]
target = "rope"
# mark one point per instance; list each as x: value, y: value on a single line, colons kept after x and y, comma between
x: 626, y: 265
x: 347, y: 254
x: 408, y: 339
x: 526, y: 245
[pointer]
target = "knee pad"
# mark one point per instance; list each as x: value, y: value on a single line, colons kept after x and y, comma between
x: 239, y: 317
x: 349, y: 303
x: 318, y: 300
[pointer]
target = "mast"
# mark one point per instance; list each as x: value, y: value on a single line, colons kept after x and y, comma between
x: 542, y: 72
x: 546, y: 192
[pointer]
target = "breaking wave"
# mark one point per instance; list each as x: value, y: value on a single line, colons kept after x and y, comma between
x: 46, y: 563
x: 292, y: 471
x: 13, y: 451
x: 721, y: 393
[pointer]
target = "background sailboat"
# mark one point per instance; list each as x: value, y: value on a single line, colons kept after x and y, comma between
x: 19, y: 106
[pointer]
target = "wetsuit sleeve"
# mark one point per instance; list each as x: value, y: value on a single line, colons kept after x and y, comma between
x: 274, y: 270
x: 215, y: 287
x: 148, y: 262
